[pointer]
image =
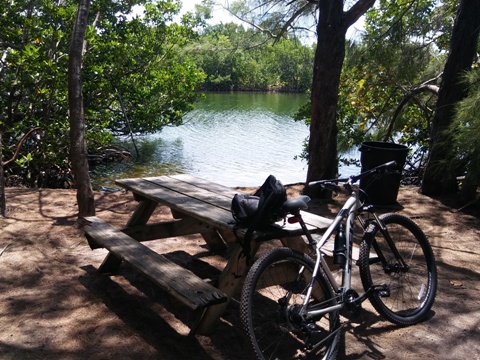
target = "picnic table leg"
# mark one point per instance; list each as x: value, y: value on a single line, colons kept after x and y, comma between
x: 229, y: 282
x: 214, y: 241
x: 212, y: 237
x: 140, y: 216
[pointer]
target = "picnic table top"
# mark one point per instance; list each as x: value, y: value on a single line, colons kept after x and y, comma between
x: 208, y: 202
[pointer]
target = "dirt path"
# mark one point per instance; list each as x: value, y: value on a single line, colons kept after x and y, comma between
x: 53, y: 304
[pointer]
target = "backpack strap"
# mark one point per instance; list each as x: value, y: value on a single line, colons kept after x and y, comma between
x: 268, y: 197
x: 249, y: 234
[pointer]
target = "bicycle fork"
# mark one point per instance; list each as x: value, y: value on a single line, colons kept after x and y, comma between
x: 391, y: 244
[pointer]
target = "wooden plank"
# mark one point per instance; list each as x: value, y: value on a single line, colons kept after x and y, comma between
x: 177, y: 281
x: 207, y: 185
x: 209, y: 233
x: 110, y: 263
x: 315, y: 220
x: 167, y: 229
x: 211, y: 214
x: 216, y: 195
x: 140, y: 216
x: 297, y: 243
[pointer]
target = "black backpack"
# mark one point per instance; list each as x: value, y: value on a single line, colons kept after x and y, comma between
x: 244, y: 207
x: 260, y: 209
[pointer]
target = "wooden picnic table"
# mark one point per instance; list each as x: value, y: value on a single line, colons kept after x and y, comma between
x: 200, y: 207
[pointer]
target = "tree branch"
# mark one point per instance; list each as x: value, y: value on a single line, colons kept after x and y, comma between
x: 262, y: 30
x: 127, y: 120
x: 406, y: 98
x: 356, y: 11
x: 17, y: 151
x: 295, y: 15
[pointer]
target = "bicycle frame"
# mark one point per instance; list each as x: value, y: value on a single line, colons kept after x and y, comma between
x: 348, y: 213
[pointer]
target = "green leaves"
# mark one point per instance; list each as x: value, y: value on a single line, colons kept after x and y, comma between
x: 235, y: 58
x: 136, y: 58
x: 378, y: 96
x: 465, y: 130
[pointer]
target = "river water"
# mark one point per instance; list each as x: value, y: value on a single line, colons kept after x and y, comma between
x: 234, y: 139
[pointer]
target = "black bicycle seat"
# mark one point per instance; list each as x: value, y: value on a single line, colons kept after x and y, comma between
x: 296, y: 203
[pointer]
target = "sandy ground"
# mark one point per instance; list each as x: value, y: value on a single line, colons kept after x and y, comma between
x: 54, y: 304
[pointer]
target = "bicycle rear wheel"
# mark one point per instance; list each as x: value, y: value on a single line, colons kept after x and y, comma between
x: 272, y: 297
x: 411, y: 288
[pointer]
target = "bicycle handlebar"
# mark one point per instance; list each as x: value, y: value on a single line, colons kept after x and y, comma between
x: 332, y: 184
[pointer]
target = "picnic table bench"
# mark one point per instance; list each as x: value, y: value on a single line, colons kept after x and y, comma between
x: 200, y: 207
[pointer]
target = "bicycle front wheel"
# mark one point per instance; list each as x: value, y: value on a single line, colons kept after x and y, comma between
x: 272, y: 303
x: 410, y: 275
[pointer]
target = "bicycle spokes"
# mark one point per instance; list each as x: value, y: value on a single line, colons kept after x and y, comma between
x: 401, y: 258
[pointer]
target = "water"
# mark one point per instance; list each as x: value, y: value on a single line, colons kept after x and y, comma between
x: 234, y: 139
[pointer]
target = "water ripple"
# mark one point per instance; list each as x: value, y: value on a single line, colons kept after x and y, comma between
x: 232, y: 139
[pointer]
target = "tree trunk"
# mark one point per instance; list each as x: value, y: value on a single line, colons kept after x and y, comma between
x: 331, y: 31
x: 329, y: 56
x: 78, y: 145
x: 440, y: 178
x: 3, y: 199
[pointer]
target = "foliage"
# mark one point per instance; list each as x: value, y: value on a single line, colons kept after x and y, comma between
x: 132, y: 58
x: 375, y: 79
x: 465, y: 132
x: 136, y: 62
x: 394, y: 57
x: 397, y: 21
x: 235, y: 58
x: 277, y: 19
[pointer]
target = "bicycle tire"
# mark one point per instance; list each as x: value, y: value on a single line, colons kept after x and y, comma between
x: 411, y: 291
x: 273, y: 327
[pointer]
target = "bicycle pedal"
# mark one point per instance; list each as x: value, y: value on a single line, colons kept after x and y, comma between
x: 382, y: 290
x: 312, y: 327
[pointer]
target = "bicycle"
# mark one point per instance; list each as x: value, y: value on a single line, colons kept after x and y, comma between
x: 291, y: 303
